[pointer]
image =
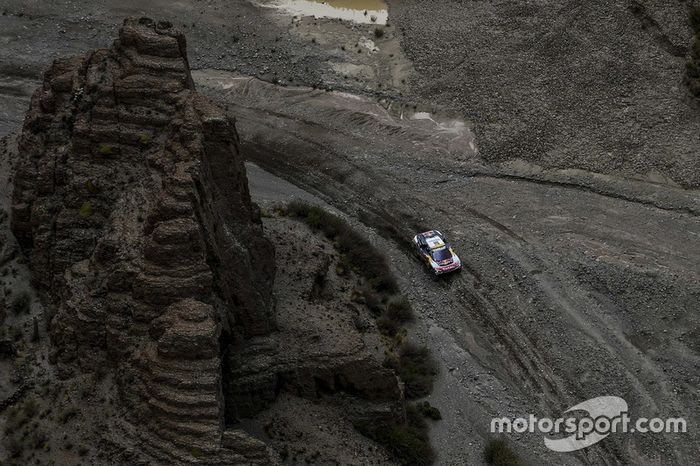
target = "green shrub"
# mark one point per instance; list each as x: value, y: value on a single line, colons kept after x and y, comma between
x: 85, y: 209
x: 396, y: 313
x: 91, y: 187
x: 408, y: 442
x: 371, y: 299
x: 378, y: 33
x: 105, y: 149
x: 428, y: 411
x: 399, y: 310
x: 21, y: 304
x: 388, y: 326
x: 359, y: 253
x: 416, y: 368
x: 498, y: 453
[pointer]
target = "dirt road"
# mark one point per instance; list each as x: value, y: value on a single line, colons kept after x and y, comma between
x: 568, y: 294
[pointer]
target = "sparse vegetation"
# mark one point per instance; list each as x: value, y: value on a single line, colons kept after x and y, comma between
x: 408, y: 442
x: 105, y: 149
x: 91, y: 187
x: 387, y: 326
x: 693, y: 63
x: 498, y: 453
x: 86, y: 209
x: 362, y: 257
x: 398, y: 309
x: 428, y: 411
x: 416, y: 367
x: 19, y: 433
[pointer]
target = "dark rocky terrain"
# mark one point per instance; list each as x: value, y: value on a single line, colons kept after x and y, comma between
x: 556, y: 143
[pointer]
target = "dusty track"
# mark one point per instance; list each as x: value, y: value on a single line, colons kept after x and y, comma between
x: 567, y: 294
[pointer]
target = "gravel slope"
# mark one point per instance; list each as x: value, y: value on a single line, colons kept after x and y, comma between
x: 596, y: 85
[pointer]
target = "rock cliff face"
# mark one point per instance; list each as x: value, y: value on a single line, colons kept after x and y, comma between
x: 131, y: 198
x: 131, y: 186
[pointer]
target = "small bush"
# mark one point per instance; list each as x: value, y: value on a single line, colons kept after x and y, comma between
x: 378, y: 33
x: 388, y: 326
x: 86, y: 209
x: 370, y: 298
x: 416, y: 368
x: 399, y: 309
x: 498, y: 453
x: 21, y: 304
x: 91, y: 187
x: 105, y: 149
x: 408, y: 442
x: 428, y: 411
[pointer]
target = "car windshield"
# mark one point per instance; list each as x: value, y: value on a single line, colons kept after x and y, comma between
x: 441, y: 254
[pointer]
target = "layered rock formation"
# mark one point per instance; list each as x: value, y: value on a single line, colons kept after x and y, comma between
x: 131, y: 197
x: 131, y: 200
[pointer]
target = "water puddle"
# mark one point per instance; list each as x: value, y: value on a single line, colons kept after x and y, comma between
x: 359, y: 11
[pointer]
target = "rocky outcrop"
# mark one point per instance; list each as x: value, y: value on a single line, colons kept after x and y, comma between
x: 181, y: 381
x: 131, y: 198
x: 132, y: 176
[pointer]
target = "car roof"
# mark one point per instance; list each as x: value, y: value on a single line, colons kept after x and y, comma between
x: 435, y: 242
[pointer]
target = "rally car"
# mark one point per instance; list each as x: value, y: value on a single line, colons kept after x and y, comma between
x: 436, y: 252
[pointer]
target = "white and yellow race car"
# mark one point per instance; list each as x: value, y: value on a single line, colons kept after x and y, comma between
x: 436, y: 252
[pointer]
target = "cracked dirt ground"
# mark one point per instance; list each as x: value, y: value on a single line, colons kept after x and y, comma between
x: 577, y: 284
